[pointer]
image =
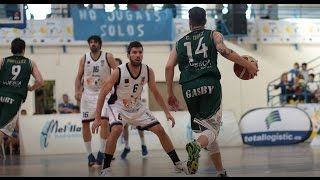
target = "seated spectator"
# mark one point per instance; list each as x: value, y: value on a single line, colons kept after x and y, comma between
x: 76, y: 109
x: 298, y: 89
x: 312, y: 88
x: 65, y: 106
x: 23, y: 112
x: 286, y: 89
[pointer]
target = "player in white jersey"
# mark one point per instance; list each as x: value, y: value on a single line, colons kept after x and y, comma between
x: 125, y: 134
x: 128, y: 80
x: 94, y: 68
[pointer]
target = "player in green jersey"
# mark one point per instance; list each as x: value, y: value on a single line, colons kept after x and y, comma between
x: 196, y: 55
x: 15, y: 72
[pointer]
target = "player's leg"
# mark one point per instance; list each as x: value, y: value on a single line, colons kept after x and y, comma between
x: 206, y: 117
x: 125, y: 135
x: 104, y: 132
x: 9, y: 114
x: 115, y: 123
x: 148, y: 121
x: 215, y: 155
x: 87, y: 107
x: 86, y: 135
x: 144, y: 149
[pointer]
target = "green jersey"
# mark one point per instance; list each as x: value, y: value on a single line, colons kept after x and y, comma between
x: 15, y: 75
x: 197, y: 56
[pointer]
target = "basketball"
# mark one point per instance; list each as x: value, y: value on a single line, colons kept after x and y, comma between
x: 240, y: 71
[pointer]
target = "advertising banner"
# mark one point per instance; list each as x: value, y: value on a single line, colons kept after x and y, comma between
x: 275, y: 126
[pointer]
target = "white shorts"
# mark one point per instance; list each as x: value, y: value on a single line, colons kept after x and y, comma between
x: 140, y: 116
x: 88, y: 107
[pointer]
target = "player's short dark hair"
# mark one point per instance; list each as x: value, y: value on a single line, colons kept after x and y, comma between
x: 197, y: 16
x: 95, y: 38
x: 18, y: 45
x: 135, y: 44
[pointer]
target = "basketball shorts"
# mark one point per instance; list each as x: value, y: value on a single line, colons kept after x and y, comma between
x: 203, y: 97
x: 139, y: 116
x: 9, y: 112
x: 88, y: 107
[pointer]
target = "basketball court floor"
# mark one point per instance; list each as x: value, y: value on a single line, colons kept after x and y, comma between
x: 301, y: 160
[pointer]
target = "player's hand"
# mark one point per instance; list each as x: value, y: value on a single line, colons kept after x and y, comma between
x: 170, y: 118
x: 253, y: 70
x: 173, y: 102
x: 95, y: 125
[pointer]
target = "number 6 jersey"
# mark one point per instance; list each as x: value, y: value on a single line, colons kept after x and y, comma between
x: 128, y: 89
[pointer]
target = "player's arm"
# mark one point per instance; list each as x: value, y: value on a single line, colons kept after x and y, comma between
x: 232, y: 55
x: 169, y: 71
x: 111, y: 61
x: 172, y: 62
x: 153, y: 87
x: 37, y: 76
x: 106, y: 88
x: 1, y: 63
x: 77, y: 84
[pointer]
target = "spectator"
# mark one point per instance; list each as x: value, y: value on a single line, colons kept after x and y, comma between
x: 312, y: 88
x: 172, y: 7
x: 76, y: 109
x: 23, y: 112
x: 293, y: 72
x: 286, y: 89
x: 65, y: 106
x: 304, y: 71
x: 298, y: 89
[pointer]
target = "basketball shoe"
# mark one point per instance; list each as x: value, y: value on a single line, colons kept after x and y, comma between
x: 144, y: 150
x: 106, y: 172
x: 91, y: 160
x: 125, y: 153
x: 193, y: 149
x: 181, y: 167
x: 100, y: 157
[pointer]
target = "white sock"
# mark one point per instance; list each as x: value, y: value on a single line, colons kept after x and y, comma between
x: 142, y: 141
x: 126, y: 144
x: 103, y: 143
x: 88, y: 147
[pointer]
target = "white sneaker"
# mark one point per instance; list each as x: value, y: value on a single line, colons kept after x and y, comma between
x: 106, y: 172
x: 181, y: 167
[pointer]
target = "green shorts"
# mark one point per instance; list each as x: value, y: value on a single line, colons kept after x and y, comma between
x: 203, y: 98
x: 9, y: 106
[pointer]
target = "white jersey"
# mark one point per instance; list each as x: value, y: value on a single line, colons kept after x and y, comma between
x: 95, y: 72
x: 129, y: 89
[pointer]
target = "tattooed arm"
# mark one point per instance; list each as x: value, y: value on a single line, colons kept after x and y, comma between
x: 232, y: 55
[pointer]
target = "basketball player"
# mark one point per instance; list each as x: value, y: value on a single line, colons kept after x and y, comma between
x: 196, y: 55
x: 15, y: 74
x: 125, y: 134
x: 95, y: 67
x: 129, y: 79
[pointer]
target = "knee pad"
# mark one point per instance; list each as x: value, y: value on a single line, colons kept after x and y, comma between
x: 211, y: 135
